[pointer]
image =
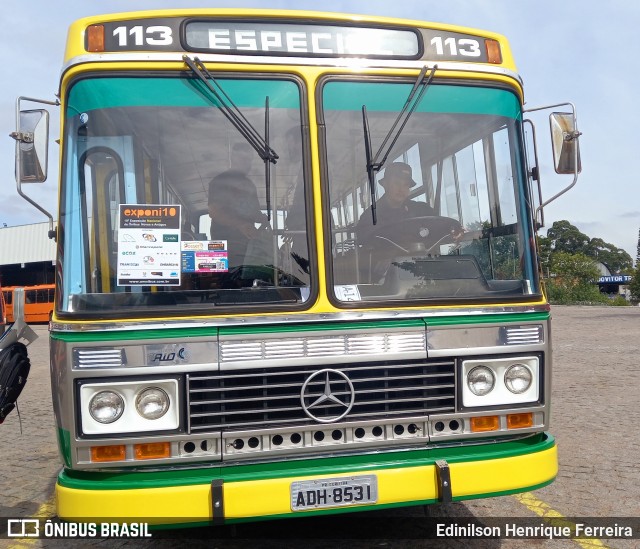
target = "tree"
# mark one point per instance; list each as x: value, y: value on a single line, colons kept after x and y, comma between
x: 574, y: 280
x: 574, y: 269
x: 634, y: 285
x: 544, y: 252
x: 615, y: 258
x: 564, y: 237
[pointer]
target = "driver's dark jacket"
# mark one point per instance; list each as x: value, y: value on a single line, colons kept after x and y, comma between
x: 386, y: 215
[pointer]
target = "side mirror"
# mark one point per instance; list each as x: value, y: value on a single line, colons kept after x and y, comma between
x: 32, y: 146
x: 564, y: 140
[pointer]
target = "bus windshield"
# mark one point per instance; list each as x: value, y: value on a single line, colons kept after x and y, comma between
x: 165, y: 203
x: 452, y: 206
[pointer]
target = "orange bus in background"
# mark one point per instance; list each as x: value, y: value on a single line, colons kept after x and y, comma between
x: 38, y: 302
x: 3, y: 314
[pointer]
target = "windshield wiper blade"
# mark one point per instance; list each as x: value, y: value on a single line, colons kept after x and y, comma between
x: 374, y: 165
x: 232, y: 113
x: 371, y: 173
x: 267, y: 165
x: 230, y: 110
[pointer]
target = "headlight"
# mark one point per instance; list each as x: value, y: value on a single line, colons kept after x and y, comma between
x: 152, y: 403
x: 106, y: 406
x: 481, y: 380
x: 518, y: 378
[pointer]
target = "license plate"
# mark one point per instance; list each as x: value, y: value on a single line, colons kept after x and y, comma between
x: 333, y: 492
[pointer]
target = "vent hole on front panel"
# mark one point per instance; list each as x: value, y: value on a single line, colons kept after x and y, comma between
x: 359, y: 432
x: 439, y: 426
x: 189, y: 447
x: 398, y: 429
x: 318, y: 436
x: 238, y: 444
x: 296, y: 438
x: 412, y: 428
x: 277, y: 440
x: 377, y: 431
x: 254, y: 442
x: 204, y: 445
x: 454, y: 425
x: 336, y: 434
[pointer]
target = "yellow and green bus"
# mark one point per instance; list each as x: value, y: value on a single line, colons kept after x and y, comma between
x: 296, y: 266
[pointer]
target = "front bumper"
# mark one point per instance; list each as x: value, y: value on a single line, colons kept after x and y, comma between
x: 233, y: 493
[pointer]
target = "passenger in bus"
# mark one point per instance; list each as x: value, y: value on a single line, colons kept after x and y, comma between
x: 234, y: 207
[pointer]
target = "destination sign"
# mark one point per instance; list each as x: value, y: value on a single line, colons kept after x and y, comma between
x: 301, y: 39
x: 288, y: 38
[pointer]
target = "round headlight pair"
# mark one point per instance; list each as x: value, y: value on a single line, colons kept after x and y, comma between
x: 481, y: 379
x: 108, y: 406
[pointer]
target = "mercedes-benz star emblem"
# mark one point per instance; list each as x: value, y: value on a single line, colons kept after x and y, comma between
x: 327, y: 396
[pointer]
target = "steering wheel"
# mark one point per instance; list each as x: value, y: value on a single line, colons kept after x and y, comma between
x: 403, y: 234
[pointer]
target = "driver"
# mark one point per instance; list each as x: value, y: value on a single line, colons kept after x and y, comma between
x: 393, y: 235
x: 394, y: 204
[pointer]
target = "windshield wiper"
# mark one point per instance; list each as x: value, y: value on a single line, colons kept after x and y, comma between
x: 375, y: 164
x: 232, y: 113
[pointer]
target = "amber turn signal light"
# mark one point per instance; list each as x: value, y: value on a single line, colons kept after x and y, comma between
x: 485, y: 423
x: 518, y: 421
x: 152, y: 450
x: 108, y: 453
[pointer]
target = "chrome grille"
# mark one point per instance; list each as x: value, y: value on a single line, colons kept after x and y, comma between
x: 351, y: 344
x: 263, y: 398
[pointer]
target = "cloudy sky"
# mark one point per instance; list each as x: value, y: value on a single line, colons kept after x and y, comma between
x: 581, y: 51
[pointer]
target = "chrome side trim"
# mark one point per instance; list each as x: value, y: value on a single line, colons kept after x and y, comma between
x: 445, y: 341
x: 287, y: 318
x: 329, y: 63
x: 137, y: 356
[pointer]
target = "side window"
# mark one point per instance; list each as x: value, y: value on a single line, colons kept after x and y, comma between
x: 449, y: 194
x: 504, y: 176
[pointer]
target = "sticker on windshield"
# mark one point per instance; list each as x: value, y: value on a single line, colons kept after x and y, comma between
x: 347, y: 292
x: 148, y: 245
x: 204, y: 256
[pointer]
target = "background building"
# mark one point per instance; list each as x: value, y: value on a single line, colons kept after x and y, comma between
x: 611, y: 284
x: 27, y: 255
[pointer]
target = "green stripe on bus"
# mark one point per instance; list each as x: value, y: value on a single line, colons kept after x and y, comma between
x: 178, y: 333
x: 119, y: 480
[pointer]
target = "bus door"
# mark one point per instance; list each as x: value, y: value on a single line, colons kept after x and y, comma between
x: 8, y: 304
x: 107, y: 177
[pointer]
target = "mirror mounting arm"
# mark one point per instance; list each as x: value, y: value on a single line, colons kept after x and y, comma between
x: 570, y: 135
x: 22, y: 137
x: 29, y: 137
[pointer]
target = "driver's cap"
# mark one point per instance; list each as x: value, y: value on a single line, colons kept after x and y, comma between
x: 399, y: 170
